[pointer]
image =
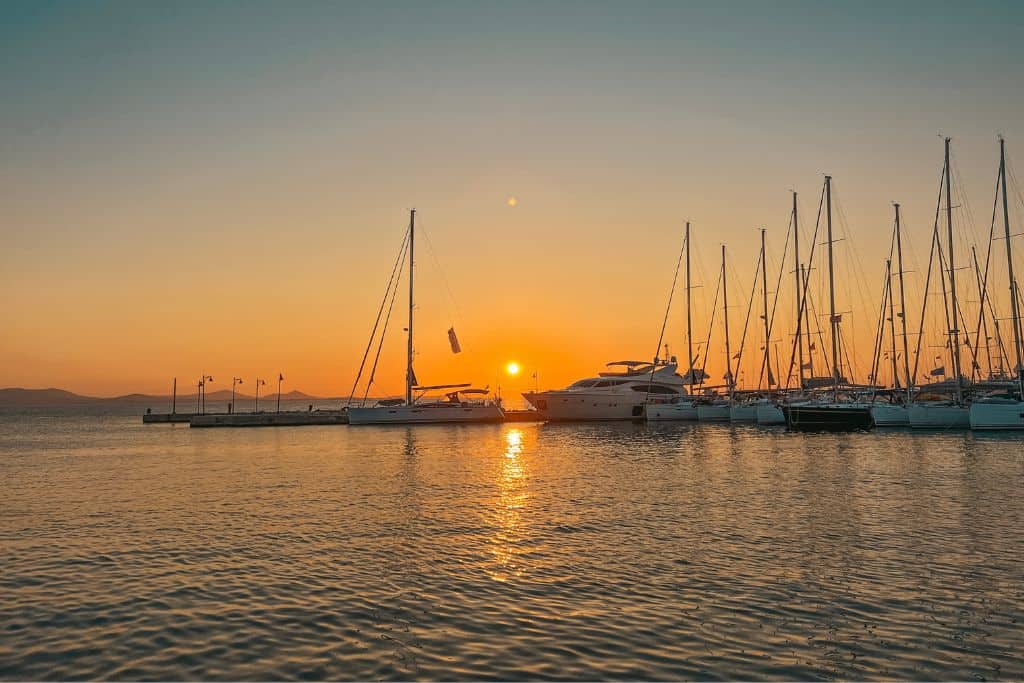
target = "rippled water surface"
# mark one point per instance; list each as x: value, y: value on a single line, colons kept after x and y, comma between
x: 505, y: 552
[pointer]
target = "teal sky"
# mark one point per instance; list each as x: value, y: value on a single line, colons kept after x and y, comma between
x: 173, y: 150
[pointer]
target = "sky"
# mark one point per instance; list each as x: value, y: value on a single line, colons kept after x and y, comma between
x: 222, y: 187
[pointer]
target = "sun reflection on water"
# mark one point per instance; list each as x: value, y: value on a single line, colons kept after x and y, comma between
x: 512, y: 498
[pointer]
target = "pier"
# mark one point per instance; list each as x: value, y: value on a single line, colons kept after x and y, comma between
x: 286, y: 419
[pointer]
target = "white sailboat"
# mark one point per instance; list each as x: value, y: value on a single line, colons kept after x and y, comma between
x: 717, y: 408
x: 931, y: 411
x: 679, y: 408
x: 889, y: 408
x: 1005, y: 410
x: 460, y: 404
x: 745, y: 409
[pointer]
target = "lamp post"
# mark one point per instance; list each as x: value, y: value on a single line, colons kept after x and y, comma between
x: 201, y: 398
x: 234, y: 381
x: 259, y: 383
x: 280, y: 378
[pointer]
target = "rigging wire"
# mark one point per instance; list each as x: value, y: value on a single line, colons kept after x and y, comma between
x: 380, y: 310
x: 387, y: 319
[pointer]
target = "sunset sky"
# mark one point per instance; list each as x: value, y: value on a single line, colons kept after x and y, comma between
x: 222, y: 187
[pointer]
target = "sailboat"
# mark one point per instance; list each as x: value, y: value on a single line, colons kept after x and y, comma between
x: 769, y: 411
x: 745, y: 409
x: 460, y: 403
x: 889, y: 408
x: 716, y: 408
x: 680, y: 406
x: 830, y: 414
x: 944, y: 406
x: 1005, y: 410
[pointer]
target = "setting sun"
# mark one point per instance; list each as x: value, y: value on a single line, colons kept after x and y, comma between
x: 512, y: 368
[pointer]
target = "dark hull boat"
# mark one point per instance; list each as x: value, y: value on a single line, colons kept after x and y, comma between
x: 828, y: 418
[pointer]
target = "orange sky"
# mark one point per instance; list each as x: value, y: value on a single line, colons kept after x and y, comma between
x: 232, y: 202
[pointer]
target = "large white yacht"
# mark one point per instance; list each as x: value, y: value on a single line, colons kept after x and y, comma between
x: 613, y: 395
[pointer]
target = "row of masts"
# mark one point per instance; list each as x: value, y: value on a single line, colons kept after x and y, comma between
x: 800, y: 270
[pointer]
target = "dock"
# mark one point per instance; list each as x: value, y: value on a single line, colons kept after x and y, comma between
x: 295, y: 418
x: 166, y: 418
x: 286, y: 419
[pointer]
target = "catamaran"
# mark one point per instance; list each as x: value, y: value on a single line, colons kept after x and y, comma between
x: 460, y: 402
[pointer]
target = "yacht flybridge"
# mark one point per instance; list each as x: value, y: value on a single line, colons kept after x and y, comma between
x: 618, y: 394
x: 459, y: 403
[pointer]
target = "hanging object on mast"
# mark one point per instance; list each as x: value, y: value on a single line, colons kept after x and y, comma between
x: 454, y: 341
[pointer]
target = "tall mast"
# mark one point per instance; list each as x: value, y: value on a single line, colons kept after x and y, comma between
x: 892, y: 322
x: 725, y: 313
x: 689, y: 326
x: 903, y: 303
x: 954, y: 332
x: 764, y: 291
x: 833, y: 320
x: 810, y: 351
x: 409, y: 381
x: 799, y: 317
x: 1014, y: 308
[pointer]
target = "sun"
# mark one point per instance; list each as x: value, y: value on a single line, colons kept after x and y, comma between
x: 512, y: 368
x: 512, y: 201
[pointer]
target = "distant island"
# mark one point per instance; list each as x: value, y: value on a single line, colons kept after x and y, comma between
x: 16, y: 397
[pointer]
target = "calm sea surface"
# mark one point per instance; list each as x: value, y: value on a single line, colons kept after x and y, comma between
x: 505, y: 552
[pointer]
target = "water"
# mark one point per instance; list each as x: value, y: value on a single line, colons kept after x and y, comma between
x: 506, y: 552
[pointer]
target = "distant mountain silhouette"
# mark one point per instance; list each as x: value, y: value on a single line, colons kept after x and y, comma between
x: 16, y: 397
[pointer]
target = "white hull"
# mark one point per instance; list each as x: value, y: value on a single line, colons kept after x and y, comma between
x: 743, y: 412
x: 997, y: 415
x: 573, y: 406
x: 713, y: 413
x: 938, y: 416
x: 890, y: 415
x: 770, y: 414
x: 425, y: 414
x: 683, y: 410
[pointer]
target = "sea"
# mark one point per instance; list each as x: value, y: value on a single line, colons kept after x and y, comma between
x: 505, y: 552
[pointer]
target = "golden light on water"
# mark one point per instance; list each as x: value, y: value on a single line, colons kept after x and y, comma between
x: 512, y: 498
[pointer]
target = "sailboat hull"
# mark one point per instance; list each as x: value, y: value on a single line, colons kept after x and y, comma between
x: 713, y: 412
x: 743, y: 412
x: 426, y: 414
x: 659, y: 412
x: 890, y: 415
x: 993, y: 416
x: 770, y: 414
x: 941, y: 416
x: 828, y: 418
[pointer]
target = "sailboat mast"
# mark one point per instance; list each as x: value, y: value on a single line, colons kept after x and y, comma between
x: 764, y: 292
x: 903, y: 302
x: 1014, y: 307
x: 725, y: 314
x: 408, y: 354
x: 892, y: 322
x: 953, y: 331
x: 833, y: 321
x: 689, y: 319
x: 799, y: 317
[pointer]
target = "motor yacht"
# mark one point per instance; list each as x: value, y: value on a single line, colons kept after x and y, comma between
x: 617, y: 394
